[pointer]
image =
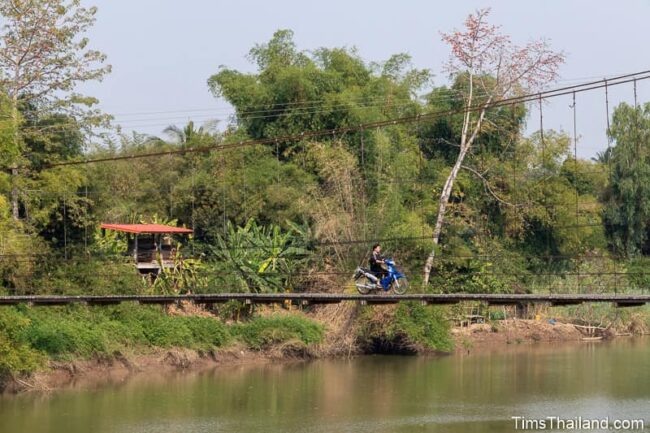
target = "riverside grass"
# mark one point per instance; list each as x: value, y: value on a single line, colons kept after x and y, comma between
x: 32, y: 336
x: 29, y: 336
x: 408, y: 328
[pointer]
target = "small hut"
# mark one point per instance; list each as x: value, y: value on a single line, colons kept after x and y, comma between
x: 149, y: 244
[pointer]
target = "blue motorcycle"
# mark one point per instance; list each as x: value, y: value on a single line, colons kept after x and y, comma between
x: 366, y: 281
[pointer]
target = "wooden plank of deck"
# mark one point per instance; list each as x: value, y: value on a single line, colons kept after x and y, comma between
x: 622, y: 300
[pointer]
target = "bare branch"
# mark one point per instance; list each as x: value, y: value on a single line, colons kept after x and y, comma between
x: 481, y: 52
x: 487, y: 186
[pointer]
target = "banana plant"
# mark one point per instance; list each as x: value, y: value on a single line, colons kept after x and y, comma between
x: 261, y: 258
x: 184, y: 276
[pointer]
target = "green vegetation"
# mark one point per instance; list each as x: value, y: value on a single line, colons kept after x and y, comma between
x: 522, y: 215
x: 263, y: 332
x: 411, y: 327
x: 31, y: 336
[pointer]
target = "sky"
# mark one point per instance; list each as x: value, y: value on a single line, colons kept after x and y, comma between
x: 163, y: 51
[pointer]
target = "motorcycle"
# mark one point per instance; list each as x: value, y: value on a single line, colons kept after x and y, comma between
x: 394, y: 280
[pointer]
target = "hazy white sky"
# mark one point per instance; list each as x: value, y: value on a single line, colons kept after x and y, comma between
x: 163, y: 51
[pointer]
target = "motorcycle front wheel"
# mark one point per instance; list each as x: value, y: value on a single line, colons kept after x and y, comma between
x: 400, y: 286
x: 364, y: 284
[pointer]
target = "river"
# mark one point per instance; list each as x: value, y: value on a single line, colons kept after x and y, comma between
x: 479, y: 391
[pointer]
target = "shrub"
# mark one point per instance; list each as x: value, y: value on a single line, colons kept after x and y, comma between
x: 207, y: 332
x: 28, y: 336
x: 425, y: 325
x: 62, y: 334
x: 15, y: 354
x: 408, y: 327
x: 262, y: 332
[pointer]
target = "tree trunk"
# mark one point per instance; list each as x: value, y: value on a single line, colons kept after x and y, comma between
x: 442, y: 208
x: 14, y: 171
x: 465, y: 145
x: 449, y: 183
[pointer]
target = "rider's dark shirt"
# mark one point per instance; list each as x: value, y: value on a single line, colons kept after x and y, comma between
x: 374, y: 265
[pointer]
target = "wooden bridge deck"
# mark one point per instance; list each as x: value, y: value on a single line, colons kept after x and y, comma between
x: 621, y: 300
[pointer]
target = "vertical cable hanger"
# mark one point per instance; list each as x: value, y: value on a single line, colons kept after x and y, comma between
x: 363, y: 146
x: 575, y: 150
x: 193, y: 199
x: 636, y: 123
x: 364, y: 196
x: 86, y: 222
x: 277, y: 157
x: 86, y: 202
x: 87, y: 206
x: 575, y: 161
x: 636, y: 128
x: 419, y: 175
x: 245, y: 199
x: 378, y: 161
x: 170, y: 203
x: 544, y: 201
x: 364, y: 210
x: 608, y: 161
x: 65, y: 228
x: 514, y: 172
x: 608, y: 155
x: 223, y: 192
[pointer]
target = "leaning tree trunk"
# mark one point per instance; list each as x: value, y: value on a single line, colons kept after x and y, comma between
x: 442, y: 208
x: 465, y: 145
x: 14, y: 171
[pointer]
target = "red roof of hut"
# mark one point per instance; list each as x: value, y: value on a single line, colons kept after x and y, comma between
x: 145, y: 228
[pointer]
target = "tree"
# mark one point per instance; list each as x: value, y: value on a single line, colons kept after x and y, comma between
x: 627, y: 214
x: 189, y: 134
x: 494, y: 69
x: 42, y: 59
x: 294, y: 91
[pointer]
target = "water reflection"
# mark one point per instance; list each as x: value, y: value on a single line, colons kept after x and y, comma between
x: 476, y: 392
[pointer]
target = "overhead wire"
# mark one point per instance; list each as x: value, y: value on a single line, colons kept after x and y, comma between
x: 377, y: 124
x: 556, y: 92
x: 242, y: 115
x: 317, y: 244
x: 311, y: 102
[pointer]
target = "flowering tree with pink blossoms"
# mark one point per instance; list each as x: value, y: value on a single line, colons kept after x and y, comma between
x: 494, y: 69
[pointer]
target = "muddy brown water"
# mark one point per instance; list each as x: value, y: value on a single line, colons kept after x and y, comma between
x: 468, y: 392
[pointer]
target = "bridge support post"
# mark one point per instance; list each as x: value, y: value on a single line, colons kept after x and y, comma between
x: 521, y: 310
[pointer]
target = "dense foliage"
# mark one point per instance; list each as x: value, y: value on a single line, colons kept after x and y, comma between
x: 29, y: 336
x: 266, y: 215
x: 524, y: 215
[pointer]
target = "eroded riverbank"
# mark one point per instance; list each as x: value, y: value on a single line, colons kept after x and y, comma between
x: 119, y: 367
x: 480, y: 391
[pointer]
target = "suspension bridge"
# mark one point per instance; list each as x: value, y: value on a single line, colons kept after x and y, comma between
x: 305, y: 299
x: 621, y: 300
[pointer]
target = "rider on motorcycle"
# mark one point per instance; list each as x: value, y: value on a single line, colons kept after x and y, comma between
x: 370, y: 280
x: 376, y: 262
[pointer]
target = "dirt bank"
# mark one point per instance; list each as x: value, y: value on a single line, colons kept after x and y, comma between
x: 119, y: 367
x: 86, y: 374
x: 512, y: 332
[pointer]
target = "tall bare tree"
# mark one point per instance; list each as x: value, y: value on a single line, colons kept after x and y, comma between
x: 43, y: 57
x: 494, y: 69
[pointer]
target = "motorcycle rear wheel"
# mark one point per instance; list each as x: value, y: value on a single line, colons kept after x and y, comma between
x: 400, y: 286
x: 363, y: 284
